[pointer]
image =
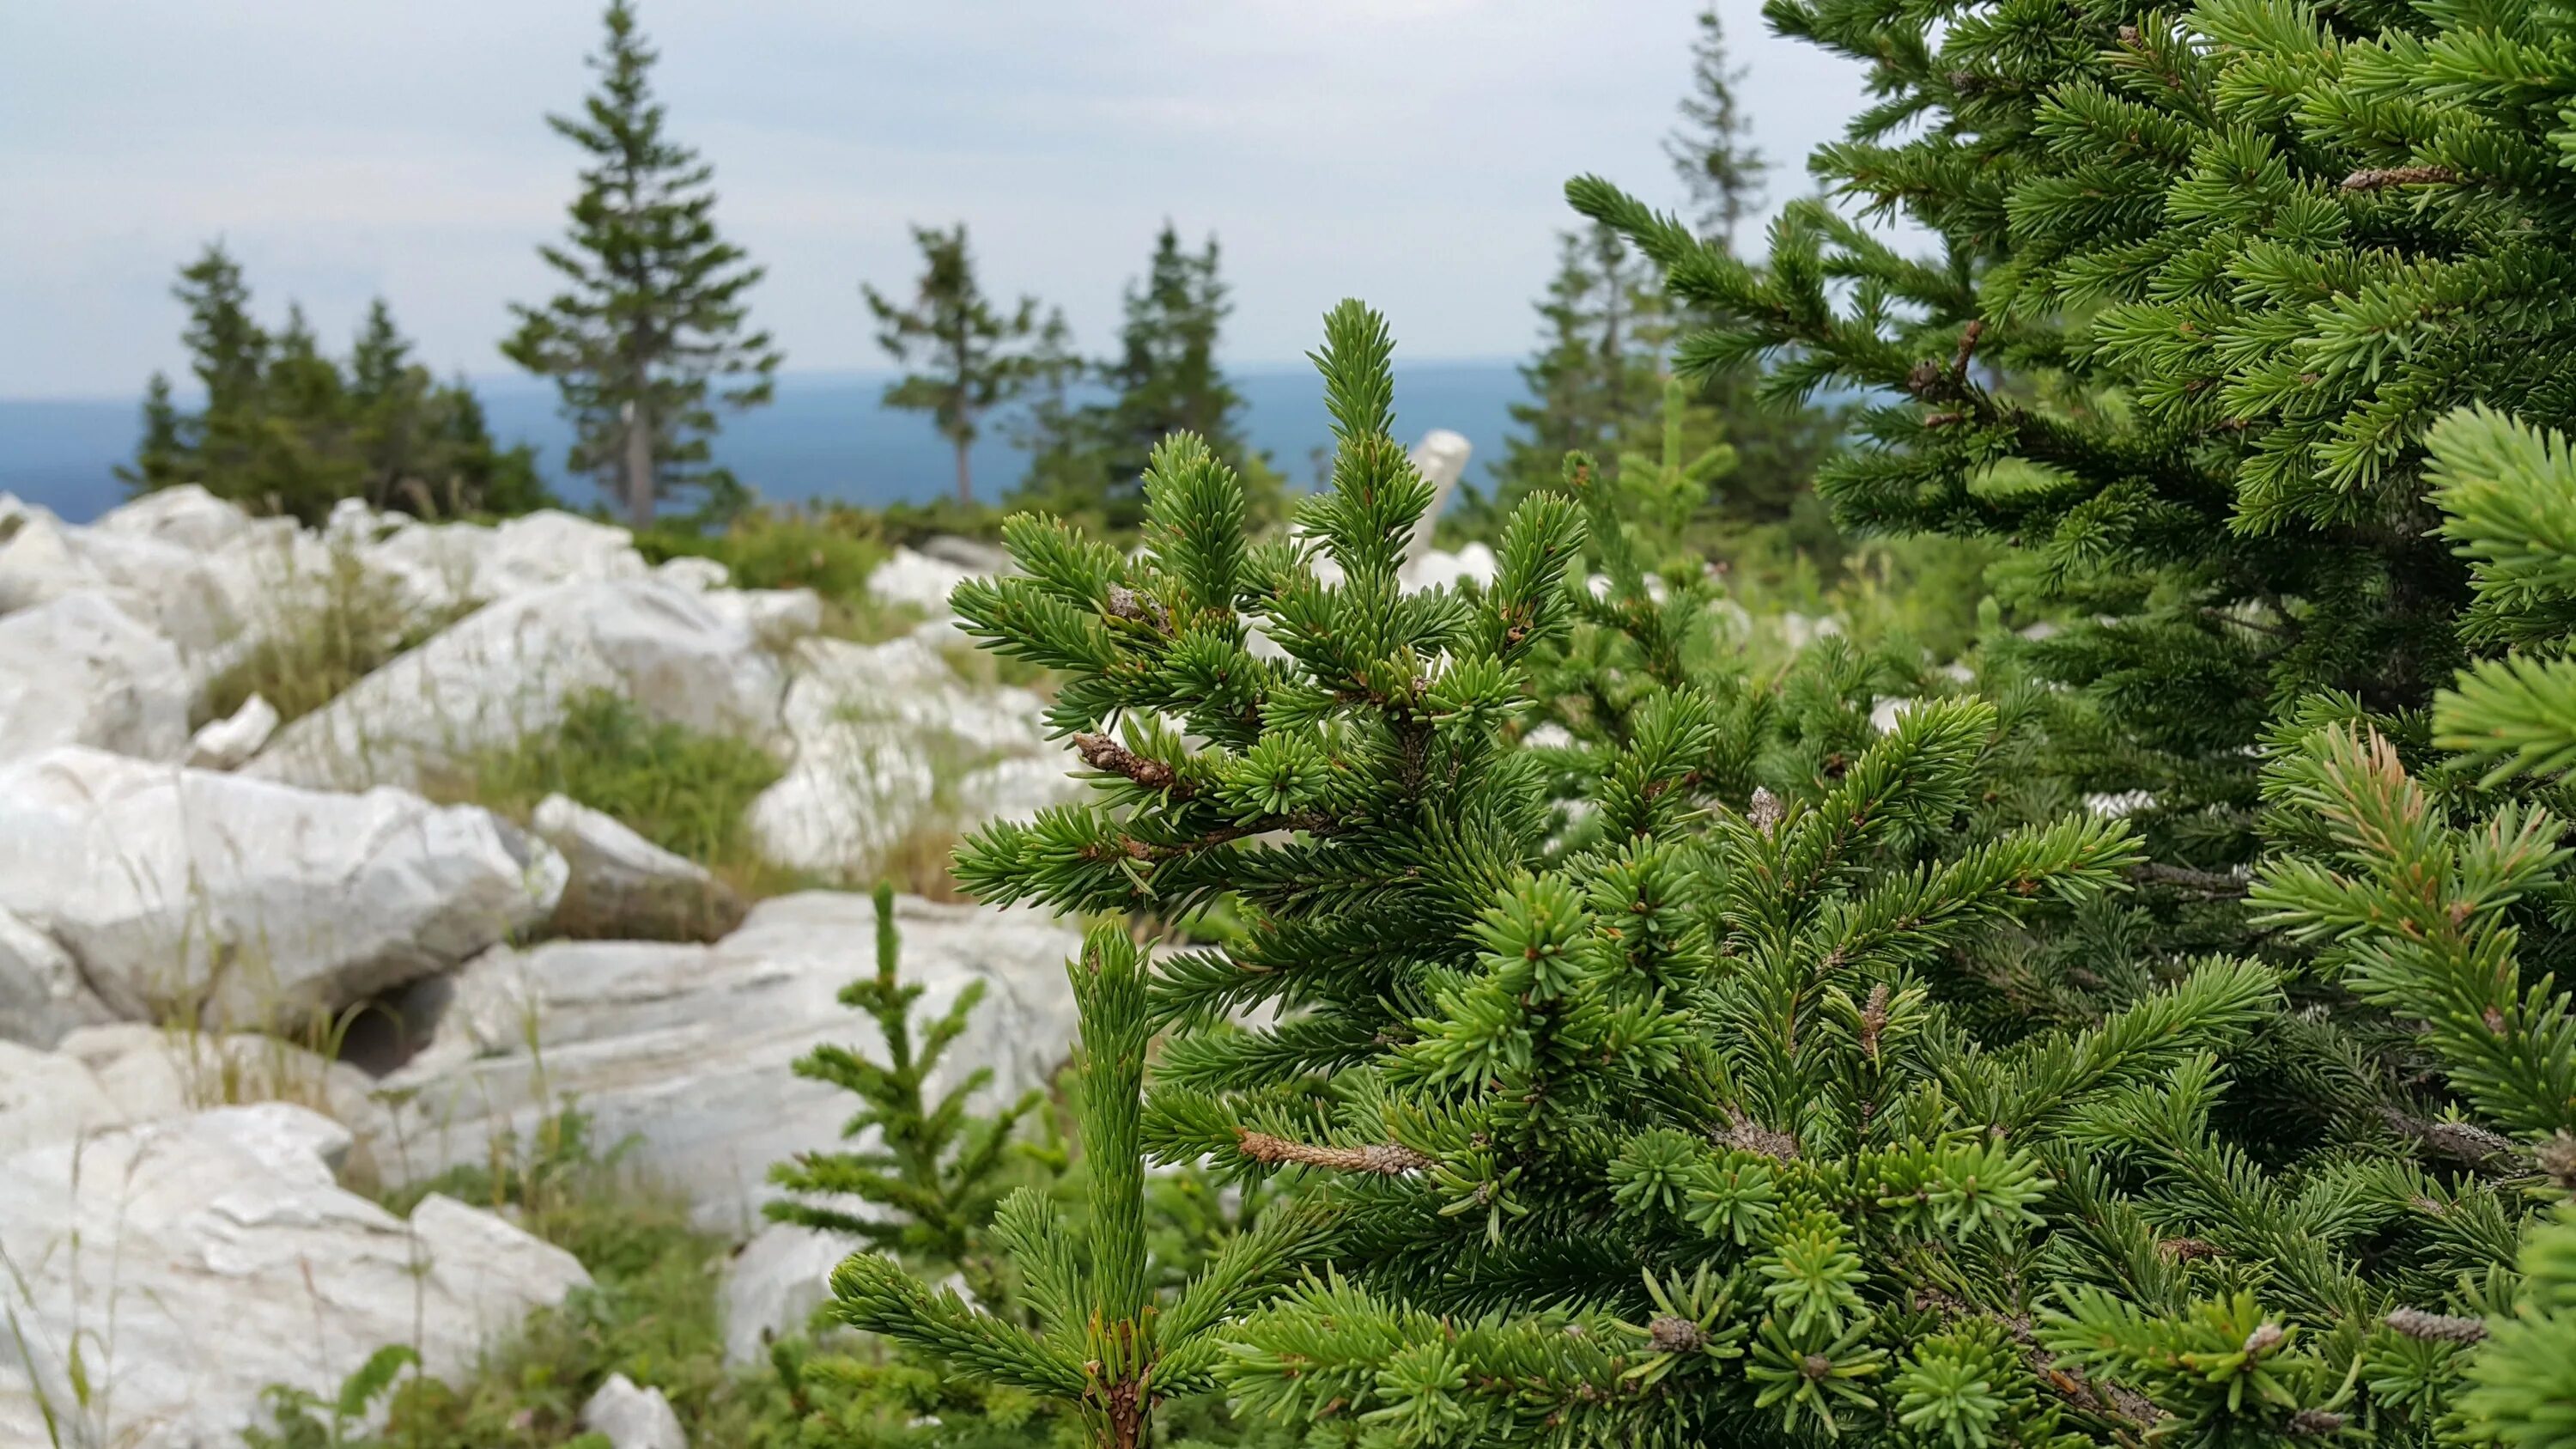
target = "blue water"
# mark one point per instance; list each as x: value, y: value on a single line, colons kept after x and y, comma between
x: 826, y: 437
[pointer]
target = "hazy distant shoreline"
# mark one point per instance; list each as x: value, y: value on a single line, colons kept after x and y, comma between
x: 824, y: 438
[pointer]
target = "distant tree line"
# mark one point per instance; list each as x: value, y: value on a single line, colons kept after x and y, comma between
x: 649, y: 338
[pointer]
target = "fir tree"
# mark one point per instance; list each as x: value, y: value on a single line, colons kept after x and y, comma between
x: 937, y: 1171
x: 161, y: 454
x: 228, y: 351
x: 650, y: 332
x: 1596, y: 374
x: 289, y: 429
x: 1711, y: 150
x: 977, y: 359
x: 1165, y: 378
x: 1106, y: 1345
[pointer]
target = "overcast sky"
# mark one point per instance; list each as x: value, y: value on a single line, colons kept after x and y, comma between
x: 1409, y: 152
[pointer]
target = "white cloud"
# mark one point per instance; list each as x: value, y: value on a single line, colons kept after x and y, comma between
x: 1406, y: 151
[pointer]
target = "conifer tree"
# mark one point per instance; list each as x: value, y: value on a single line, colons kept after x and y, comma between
x: 1105, y: 1345
x: 1164, y: 378
x: 287, y: 428
x: 977, y: 359
x: 1711, y: 150
x: 161, y: 454
x: 937, y: 1171
x: 650, y: 333
x: 228, y: 351
x: 1596, y: 372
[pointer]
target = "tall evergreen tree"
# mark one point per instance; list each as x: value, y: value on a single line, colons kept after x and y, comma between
x: 651, y: 331
x: 1712, y: 149
x: 1164, y: 378
x: 289, y: 429
x: 162, y: 455
x: 975, y: 359
x: 228, y: 351
x: 1595, y: 382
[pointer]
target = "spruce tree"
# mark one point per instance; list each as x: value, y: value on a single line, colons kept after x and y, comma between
x: 1713, y: 1075
x: 1164, y: 378
x: 1596, y: 376
x: 161, y: 455
x: 228, y: 351
x: 937, y: 1170
x: 976, y: 359
x: 1106, y: 1345
x: 289, y: 429
x: 1712, y: 150
x: 650, y: 333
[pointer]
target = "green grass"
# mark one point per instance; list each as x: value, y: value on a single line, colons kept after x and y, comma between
x: 317, y: 648
x: 829, y: 550
x: 684, y: 791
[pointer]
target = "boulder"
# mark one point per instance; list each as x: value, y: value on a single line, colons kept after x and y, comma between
x: 1441, y: 458
x: 79, y: 670
x: 774, y: 1284
x: 633, y: 1418
x: 227, y: 743
x: 505, y: 672
x: 42, y: 994
x: 890, y: 742
x: 776, y: 617
x: 699, y: 575
x: 689, y: 1048
x: 161, y: 584
x: 126, y: 1074
x: 243, y: 901
x: 195, y: 1262
x: 971, y: 554
x: 446, y: 566
x: 622, y: 885
x: 187, y: 516
x: 917, y: 580
x: 1473, y: 564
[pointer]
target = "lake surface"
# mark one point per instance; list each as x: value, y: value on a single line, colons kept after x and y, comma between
x: 826, y: 436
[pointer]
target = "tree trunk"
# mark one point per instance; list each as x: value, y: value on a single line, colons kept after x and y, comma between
x: 639, y: 466
x: 965, y: 480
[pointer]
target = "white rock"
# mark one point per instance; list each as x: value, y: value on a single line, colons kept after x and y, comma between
x: 506, y: 671
x: 226, y: 1259
x: 884, y: 734
x: 446, y: 566
x: 42, y: 994
x: 187, y: 515
x: 773, y: 1285
x: 623, y: 885
x: 126, y: 1074
x: 1475, y: 563
x: 1440, y: 457
x: 690, y: 572
x: 776, y: 617
x: 917, y: 579
x: 226, y: 743
x: 633, y: 1418
x: 162, y: 584
x: 247, y: 901
x: 689, y: 1048
x: 79, y: 670
x: 1884, y: 713
x: 1800, y: 630
x: 49, y: 1097
x: 548, y: 547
